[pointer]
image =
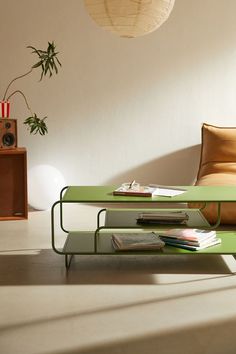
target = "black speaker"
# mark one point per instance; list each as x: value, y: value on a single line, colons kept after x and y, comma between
x: 8, y: 133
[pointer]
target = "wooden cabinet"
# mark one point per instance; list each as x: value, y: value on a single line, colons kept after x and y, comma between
x: 13, y: 184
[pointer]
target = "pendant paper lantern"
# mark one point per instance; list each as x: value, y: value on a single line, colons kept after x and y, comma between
x: 129, y: 18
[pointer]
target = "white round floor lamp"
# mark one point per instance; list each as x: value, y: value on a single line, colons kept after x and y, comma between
x: 44, y: 185
x: 129, y: 18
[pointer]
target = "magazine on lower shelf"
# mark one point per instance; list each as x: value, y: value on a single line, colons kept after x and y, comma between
x: 137, y: 241
x: 188, y: 242
x: 214, y: 242
x: 189, y: 234
x: 191, y: 239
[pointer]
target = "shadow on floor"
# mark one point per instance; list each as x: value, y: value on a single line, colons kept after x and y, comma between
x: 45, y: 267
x: 212, y: 337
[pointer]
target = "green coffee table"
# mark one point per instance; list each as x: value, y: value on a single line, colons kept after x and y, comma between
x: 99, y: 240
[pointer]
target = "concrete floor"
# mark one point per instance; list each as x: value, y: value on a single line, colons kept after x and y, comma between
x: 110, y: 305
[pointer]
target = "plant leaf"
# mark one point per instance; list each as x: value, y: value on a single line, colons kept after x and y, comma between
x: 36, y: 125
x: 46, y: 60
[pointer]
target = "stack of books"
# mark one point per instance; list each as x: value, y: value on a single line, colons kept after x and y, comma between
x: 137, y: 241
x: 191, y: 239
x: 162, y: 217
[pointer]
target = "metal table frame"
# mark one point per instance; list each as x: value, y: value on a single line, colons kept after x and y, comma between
x: 71, y: 194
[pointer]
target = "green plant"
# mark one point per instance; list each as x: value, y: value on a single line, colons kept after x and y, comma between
x: 48, y: 62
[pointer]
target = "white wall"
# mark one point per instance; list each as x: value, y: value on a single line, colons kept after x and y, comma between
x: 122, y: 108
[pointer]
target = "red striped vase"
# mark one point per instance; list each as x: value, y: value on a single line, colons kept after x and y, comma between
x: 5, y: 109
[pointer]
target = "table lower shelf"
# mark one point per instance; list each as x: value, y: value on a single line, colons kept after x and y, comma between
x: 82, y: 242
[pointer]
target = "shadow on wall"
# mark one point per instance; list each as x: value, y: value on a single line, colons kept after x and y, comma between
x: 177, y: 168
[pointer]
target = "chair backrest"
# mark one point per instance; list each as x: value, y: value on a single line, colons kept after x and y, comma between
x: 218, y: 150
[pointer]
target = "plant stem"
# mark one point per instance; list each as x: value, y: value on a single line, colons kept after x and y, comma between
x: 16, y: 78
x: 20, y: 92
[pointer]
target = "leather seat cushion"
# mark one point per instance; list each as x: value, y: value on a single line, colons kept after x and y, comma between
x: 228, y: 210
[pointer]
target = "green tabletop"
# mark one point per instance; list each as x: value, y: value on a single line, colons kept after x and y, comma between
x: 103, y: 194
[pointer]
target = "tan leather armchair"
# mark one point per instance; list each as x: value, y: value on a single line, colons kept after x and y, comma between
x: 218, y: 167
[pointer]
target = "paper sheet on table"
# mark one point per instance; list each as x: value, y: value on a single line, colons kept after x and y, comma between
x: 167, y: 192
